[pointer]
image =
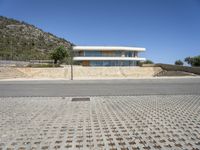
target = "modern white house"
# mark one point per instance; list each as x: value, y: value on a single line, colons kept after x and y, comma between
x: 107, y: 55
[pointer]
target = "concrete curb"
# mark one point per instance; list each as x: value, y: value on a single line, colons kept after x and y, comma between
x: 76, y: 79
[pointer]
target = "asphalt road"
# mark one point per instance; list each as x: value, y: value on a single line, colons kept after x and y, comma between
x: 175, y: 86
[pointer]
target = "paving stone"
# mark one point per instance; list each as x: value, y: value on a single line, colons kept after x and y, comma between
x: 107, y: 122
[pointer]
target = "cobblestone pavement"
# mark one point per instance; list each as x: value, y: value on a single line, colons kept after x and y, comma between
x: 110, y: 122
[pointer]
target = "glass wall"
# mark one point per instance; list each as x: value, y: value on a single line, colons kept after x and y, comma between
x: 112, y: 63
x: 92, y: 53
x: 128, y: 54
x: 104, y: 53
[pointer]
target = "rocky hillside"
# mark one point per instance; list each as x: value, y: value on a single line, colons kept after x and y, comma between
x: 22, y: 41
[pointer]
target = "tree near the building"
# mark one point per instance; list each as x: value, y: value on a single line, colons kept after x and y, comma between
x: 69, y: 56
x: 64, y: 55
x: 193, y: 61
x: 178, y: 62
x: 70, y: 59
x: 59, y: 54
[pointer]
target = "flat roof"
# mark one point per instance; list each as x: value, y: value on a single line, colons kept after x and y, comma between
x: 108, y: 48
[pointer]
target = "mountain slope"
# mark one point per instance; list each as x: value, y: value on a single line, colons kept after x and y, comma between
x: 22, y: 41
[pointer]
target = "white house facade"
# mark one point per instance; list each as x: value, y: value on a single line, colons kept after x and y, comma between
x: 107, y: 55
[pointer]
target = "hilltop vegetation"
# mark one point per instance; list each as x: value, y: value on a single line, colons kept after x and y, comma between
x: 22, y: 41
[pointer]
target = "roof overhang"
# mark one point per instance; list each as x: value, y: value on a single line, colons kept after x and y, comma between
x: 107, y: 48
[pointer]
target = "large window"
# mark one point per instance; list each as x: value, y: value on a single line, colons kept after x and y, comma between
x: 128, y: 54
x: 96, y: 63
x: 118, y: 53
x: 106, y: 53
x: 92, y: 53
x: 112, y: 63
x: 102, y: 54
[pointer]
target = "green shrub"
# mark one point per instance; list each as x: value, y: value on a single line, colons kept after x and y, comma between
x: 178, y: 62
x: 148, y: 62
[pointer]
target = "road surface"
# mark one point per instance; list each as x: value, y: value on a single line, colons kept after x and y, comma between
x: 49, y: 88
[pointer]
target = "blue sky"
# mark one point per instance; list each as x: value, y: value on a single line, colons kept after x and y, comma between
x: 168, y: 29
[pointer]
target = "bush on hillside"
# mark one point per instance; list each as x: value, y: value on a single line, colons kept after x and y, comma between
x: 193, y: 61
x: 178, y: 62
x: 148, y: 62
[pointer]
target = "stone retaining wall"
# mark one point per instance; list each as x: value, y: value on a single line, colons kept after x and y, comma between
x: 80, y: 72
x: 45, y: 72
x: 115, y: 72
